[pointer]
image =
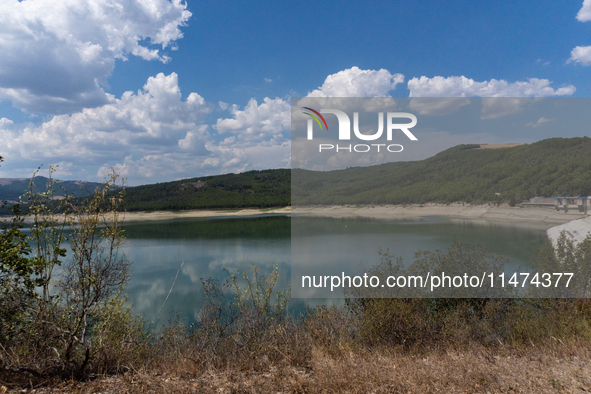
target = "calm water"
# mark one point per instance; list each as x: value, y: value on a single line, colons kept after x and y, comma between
x: 204, y: 246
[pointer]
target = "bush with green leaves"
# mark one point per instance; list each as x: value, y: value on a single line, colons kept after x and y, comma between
x: 63, y: 312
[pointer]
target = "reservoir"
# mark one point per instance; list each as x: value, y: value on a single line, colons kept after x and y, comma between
x: 202, y: 247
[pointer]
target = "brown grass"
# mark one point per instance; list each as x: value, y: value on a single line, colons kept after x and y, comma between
x: 553, y: 369
x: 248, y: 345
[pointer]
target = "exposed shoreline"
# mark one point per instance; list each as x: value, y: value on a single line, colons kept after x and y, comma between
x: 541, y: 217
x: 576, y: 230
x: 538, y: 217
x: 141, y: 216
x: 577, y: 225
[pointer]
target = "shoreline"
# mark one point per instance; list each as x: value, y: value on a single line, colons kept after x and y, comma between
x: 577, y: 225
x: 576, y: 230
x: 140, y: 216
x: 534, y: 217
x: 538, y: 217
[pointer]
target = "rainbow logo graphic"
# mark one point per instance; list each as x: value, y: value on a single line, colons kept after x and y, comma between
x: 315, y: 118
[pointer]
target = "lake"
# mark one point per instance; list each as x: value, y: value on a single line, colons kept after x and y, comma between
x: 205, y: 246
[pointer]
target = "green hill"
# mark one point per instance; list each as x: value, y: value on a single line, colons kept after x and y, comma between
x: 261, y: 189
x: 463, y: 173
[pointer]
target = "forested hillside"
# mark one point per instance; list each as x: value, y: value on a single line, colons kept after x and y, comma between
x: 462, y: 173
x: 260, y: 189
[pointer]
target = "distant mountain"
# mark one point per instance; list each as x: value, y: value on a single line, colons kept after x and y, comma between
x: 11, y: 189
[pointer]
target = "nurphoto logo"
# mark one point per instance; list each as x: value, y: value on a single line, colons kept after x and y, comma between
x: 345, y: 130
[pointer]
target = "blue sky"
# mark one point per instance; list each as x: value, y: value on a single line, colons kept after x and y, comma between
x: 209, y: 82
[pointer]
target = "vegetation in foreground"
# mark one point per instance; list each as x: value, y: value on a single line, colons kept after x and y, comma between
x: 64, y: 327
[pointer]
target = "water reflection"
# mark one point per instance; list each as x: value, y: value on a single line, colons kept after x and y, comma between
x: 204, y: 246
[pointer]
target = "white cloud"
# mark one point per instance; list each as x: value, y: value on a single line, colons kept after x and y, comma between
x: 354, y: 82
x: 584, y: 14
x: 581, y: 55
x: 467, y: 87
x: 4, y: 122
x: 268, y: 80
x: 539, y: 123
x: 498, y: 107
x: 257, y: 124
x: 254, y: 140
x: 56, y: 54
x: 154, y: 122
x: 152, y: 135
x: 448, y: 90
x: 437, y: 105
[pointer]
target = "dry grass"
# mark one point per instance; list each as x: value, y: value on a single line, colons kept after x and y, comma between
x: 554, y: 369
x: 247, y: 344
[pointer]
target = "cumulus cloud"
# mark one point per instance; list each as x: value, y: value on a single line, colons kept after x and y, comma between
x: 437, y: 105
x: 257, y: 124
x: 354, y: 82
x: 581, y: 55
x: 584, y: 14
x: 4, y: 122
x: 498, y: 107
x: 467, y: 87
x: 459, y: 87
x: 539, y: 123
x: 154, y: 122
x: 153, y: 135
x: 56, y: 54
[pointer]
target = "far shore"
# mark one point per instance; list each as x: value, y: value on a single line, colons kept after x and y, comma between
x: 539, y: 217
x: 527, y: 217
x: 141, y: 216
x: 576, y: 224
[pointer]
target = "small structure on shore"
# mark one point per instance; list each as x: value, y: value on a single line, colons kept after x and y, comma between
x: 581, y: 202
x: 559, y: 202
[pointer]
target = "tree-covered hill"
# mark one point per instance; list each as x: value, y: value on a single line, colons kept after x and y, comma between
x: 260, y: 189
x: 462, y: 173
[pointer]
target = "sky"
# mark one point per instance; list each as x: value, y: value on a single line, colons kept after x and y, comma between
x: 167, y: 89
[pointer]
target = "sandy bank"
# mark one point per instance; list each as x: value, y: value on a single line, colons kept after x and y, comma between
x: 533, y: 217
x: 538, y: 217
x: 527, y: 217
x: 577, y: 230
x: 168, y: 215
